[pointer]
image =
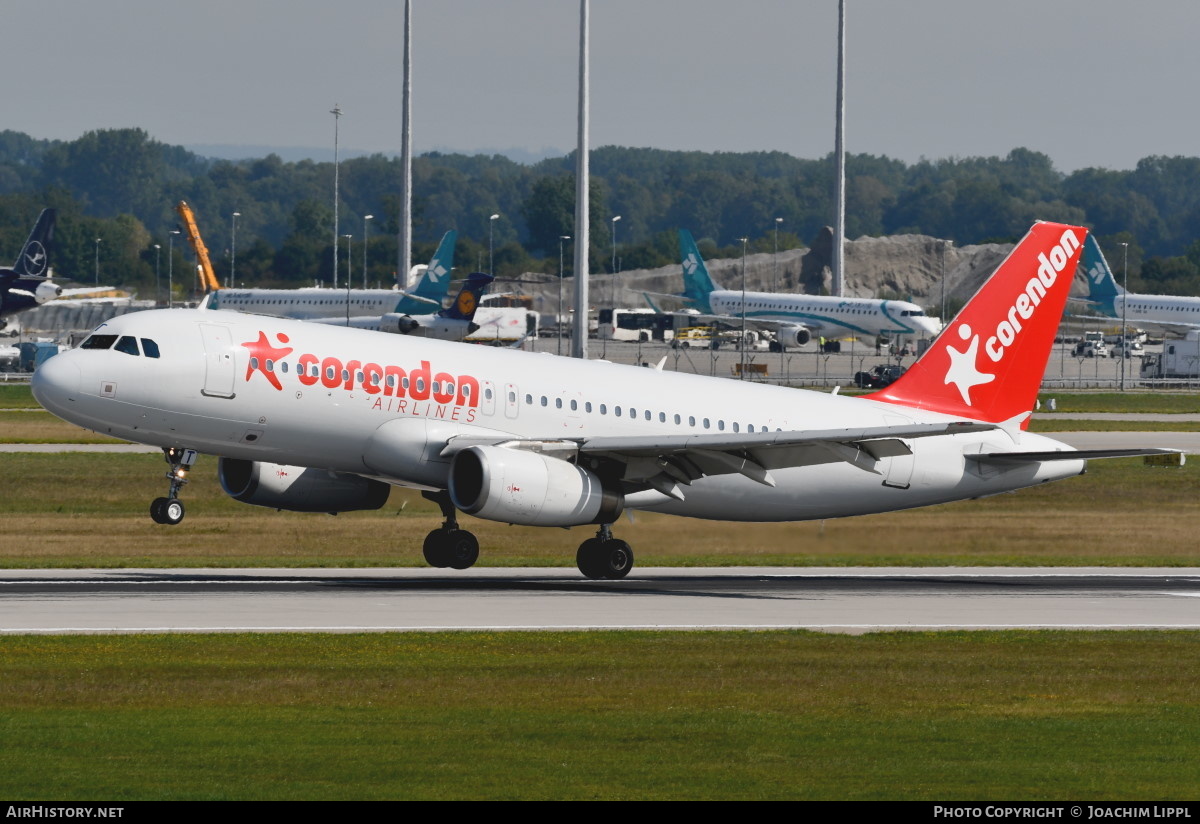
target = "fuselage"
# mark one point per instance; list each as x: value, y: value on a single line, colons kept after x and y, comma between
x: 243, y: 386
x: 305, y: 304
x: 829, y: 317
x: 1148, y: 310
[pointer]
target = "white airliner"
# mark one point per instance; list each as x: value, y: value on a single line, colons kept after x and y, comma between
x: 1164, y: 313
x: 456, y: 322
x: 796, y: 319
x: 320, y: 418
x: 307, y: 304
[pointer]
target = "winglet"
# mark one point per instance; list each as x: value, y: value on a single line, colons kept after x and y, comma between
x: 988, y: 364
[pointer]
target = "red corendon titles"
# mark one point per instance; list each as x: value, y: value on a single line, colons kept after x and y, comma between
x: 419, y: 384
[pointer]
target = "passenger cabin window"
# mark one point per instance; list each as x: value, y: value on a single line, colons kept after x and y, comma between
x: 128, y: 345
x: 99, y: 342
x: 149, y: 348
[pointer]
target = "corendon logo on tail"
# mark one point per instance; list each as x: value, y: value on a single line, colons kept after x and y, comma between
x: 964, y: 370
x: 401, y: 386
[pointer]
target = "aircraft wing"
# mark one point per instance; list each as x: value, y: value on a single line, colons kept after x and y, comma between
x: 663, y: 462
x: 734, y: 322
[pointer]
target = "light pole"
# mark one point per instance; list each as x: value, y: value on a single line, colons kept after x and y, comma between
x: 775, y: 287
x: 742, y: 369
x: 336, y: 111
x: 171, y: 266
x: 157, y: 275
x: 613, y: 293
x: 491, y: 258
x: 365, y: 219
x: 558, y: 319
x: 98, y: 260
x: 349, y: 248
x: 945, y: 243
x: 233, y: 251
x: 1124, y: 303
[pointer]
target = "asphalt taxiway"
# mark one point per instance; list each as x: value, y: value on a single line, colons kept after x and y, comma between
x: 377, y: 600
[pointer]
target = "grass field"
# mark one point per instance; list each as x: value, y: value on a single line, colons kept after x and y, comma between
x: 602, y: 715
x: 84, y: 510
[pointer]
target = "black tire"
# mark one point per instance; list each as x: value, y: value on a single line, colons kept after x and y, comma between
x: 618, y: 558
x: 172, y: 511
x: 436, y: 549
x: 157, y: 507
x: 590, y: 559
x: 461, y: 548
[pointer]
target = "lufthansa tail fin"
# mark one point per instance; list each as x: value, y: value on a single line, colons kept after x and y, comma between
x: 467, y: 301
x: 434, y: 282
x: 697, y: 284
x: 34, y: 260
x: 988, y: 364
x: 1102, y: 286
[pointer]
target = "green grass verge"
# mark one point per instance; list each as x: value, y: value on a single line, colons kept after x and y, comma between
x: 1053, y: 425
x: 1163, y: 403
x: 602, y: 715
x: 91, y: 510
x: 17, y: 396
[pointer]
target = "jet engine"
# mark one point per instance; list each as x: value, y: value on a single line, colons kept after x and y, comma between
x: 520, y: 487
x: 298, y: 488
x: 794, y: 335
x: 46, y: 290
x: 397, y: 324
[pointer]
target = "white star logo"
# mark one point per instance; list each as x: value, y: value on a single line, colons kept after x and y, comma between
x: 962, y: 372
x: 437, y: 270
x: 689, y: 265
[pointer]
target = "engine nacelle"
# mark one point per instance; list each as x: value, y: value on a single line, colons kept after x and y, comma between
x: 298, y: 488
x: 519, y: 487
x: 398, y: 324
x: 794, y: 335
x: 46, y: 290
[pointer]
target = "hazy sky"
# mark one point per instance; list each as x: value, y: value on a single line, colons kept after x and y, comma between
x: 1089, y: 82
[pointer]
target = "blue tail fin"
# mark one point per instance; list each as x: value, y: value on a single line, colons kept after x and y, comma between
x: 1102, y: 286
x: 427, y: 297
x: 697, y: 285
x: 467, y: 301
x: 34, y: 260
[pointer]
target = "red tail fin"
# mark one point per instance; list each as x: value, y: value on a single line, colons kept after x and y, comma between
x: 988, y: 364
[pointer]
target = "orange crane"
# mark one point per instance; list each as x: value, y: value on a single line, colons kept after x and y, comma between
x: 208, y: 278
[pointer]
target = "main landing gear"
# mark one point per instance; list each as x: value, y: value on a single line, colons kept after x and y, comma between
x: 604, y: 556
x: 169, y: 510
x: 449, y: 546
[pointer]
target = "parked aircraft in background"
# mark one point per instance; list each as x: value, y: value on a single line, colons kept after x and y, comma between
x: 455, y: 322
x: 1163, y: 313
x: 306, y: 304
x: 310, y: 417
x: 27, y: 284
x: 796, y: 319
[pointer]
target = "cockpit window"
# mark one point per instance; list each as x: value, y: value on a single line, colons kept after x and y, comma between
x: 150, y: 348
x: 128, y: 345
x: 99, y: 342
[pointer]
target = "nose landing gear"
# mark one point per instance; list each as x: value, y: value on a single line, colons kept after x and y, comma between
x: 169, y: 510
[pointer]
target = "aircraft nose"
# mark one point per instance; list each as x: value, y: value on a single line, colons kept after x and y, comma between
x: 56, y: 382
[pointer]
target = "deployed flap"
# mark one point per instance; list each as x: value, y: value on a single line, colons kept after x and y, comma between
x: 1067, y: 455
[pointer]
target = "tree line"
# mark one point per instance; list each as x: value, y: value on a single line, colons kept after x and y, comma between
x: 120, y: 186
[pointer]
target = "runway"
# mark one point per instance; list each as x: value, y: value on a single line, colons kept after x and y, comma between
x: 400, y: 600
